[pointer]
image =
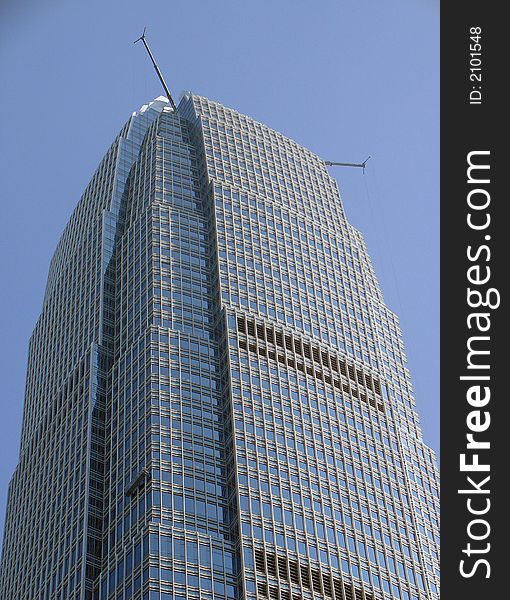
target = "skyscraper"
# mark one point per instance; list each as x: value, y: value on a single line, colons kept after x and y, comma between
x: 217, y: 401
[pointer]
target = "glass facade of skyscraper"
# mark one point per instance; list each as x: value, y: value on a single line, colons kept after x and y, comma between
x: 217, y: 401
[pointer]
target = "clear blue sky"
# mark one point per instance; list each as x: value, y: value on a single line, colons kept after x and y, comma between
x: 346, y: 78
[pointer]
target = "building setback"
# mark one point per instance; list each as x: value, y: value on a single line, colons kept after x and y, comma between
x: 217, y: 400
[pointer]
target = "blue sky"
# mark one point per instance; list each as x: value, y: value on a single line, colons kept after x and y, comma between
x: 345, y: 78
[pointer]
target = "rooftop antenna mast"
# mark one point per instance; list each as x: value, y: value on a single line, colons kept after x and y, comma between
x: 342, y: 164
x: 161, y: 78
